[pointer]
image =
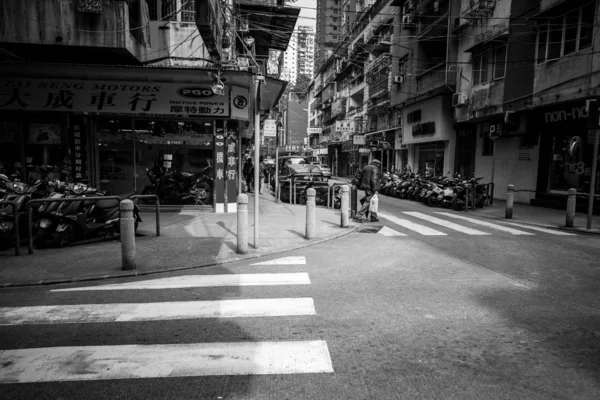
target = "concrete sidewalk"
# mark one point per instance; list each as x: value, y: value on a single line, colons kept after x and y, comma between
x: 528, y: 214
x: 188, y: 239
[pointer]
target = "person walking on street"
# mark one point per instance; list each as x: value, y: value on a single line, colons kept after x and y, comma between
x: 248, y: 174
x: 370, y: 182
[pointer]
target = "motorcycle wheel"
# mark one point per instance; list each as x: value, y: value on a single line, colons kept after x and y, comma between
x: 148, y: 190
x: 62, y: 239
x: 202, y: 193
x: 302, y: 201
x: 458, y: 205
x: 41, y: 237
x: 431, y: 202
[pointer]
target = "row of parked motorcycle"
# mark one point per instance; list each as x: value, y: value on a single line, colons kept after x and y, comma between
x: 57, y: 223
x: 179, y: 187
x: 444, y: 191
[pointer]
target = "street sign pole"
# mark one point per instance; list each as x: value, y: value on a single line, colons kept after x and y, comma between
x: 256, y: 158
x: 593, y: 179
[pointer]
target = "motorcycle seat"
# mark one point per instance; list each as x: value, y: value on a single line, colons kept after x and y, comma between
x: 107, y: 204
x: 186, y: 174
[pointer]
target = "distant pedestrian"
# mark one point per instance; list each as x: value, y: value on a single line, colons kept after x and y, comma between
x: 370, y: 182
x: 248, y: 174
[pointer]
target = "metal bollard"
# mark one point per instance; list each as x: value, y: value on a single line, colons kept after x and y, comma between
x: 571, y: 206
x: 127, y: 235
x: 510, y: 200
x: 345, y: 206
x: 310, y: 213
x: 242, y: 223
x: 353, y: 201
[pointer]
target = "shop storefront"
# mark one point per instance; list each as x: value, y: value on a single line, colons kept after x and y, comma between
x: 429, y: 135
x: 381, y: 145
x: 566, y: 149
x: 118, y: 134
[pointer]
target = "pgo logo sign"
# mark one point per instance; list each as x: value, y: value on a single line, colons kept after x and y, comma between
x: 195, y: 92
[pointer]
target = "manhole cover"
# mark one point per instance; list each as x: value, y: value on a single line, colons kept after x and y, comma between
x: 369, y: 228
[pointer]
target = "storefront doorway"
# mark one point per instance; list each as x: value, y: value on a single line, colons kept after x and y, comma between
x: 430, y: 159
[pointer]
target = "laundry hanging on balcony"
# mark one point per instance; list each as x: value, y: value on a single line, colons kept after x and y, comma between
x: 89, y: 6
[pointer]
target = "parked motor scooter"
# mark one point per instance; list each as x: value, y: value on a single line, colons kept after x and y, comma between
x: 20, y: 193
x: 102, y: 218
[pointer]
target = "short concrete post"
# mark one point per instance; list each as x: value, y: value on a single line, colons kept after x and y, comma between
x: 571, y: 206
x: 127, y: 234
x: 310, y: 213
x: 345, y: 206
x: 510, y: 201
x: 242, y: 223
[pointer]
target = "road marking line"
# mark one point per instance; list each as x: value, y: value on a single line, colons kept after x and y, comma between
x: 187, y: 281
x: 487, y: 224
x: 545, y: 230
x: 284, y: 261
x: 86, y: 363
x: 446, y: 224
x: 125, y: 312
x: 385, y: 231
x: 423, y: 230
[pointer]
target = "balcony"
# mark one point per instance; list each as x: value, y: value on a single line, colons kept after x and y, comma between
x: 436, y: 78
x: 379, y: 86
x: 380, y: 62
x: 479, y: 9
x: 57, y: 31
x: 356, y: 86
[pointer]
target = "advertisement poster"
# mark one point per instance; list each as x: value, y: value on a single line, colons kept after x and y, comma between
x: 220, y: 163
x: 44, y: 133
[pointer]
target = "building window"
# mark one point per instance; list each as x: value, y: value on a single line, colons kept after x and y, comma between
x: 489, y: 64
x: 500, y: 62
x: 566, y: 34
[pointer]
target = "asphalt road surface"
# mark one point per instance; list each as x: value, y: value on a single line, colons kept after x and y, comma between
x: 420, y: 306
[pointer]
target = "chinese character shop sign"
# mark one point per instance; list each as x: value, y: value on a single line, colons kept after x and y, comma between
x: 114, y: 97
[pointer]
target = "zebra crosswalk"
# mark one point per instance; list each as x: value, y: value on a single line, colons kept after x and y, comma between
x: 160, y: 360
x: 449, y: 221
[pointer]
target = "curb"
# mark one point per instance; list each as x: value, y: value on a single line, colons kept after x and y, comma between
x: 349, y: 230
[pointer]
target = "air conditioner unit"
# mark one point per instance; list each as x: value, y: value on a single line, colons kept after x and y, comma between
x: 399, y: 79
x: 460, y: 99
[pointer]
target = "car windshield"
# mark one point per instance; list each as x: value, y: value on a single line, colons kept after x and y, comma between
x: 296, y: 161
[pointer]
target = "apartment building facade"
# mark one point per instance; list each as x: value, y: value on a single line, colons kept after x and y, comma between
x: 327, y: 30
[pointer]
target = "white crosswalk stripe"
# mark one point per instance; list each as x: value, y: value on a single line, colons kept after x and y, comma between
x: 50, y: 364
x: 189, y: 281
x: 126, y: 312
x: 446, y: 224
x: 460, y: 228
x: 421, y: 229
x: 82, y: 363
x: 486, y: 224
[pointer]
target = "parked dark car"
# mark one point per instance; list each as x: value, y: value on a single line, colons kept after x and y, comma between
x: 302, y: 177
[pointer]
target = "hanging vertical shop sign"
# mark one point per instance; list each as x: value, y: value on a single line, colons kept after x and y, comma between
x: 240, y: 104
x: 269, y: 128
x: 78, y: 149
x: 219, y: 182
x: 231, y: 172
